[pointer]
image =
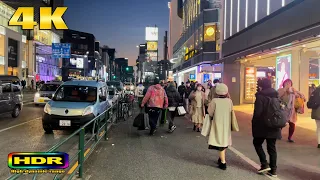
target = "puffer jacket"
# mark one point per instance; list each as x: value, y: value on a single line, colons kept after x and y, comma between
x: 173, y: 96
x: 259, y: 128
x: 155, y: 97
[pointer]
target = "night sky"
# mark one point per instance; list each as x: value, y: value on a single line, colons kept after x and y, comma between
x: 119, y: 23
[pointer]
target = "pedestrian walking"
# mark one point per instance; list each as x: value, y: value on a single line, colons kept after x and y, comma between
x: 197, y: 98
x: 139, y: 92
x: 212, y: 94
x: 32, y: 83
x: 261, y: 132
x: 181, y: 90
x: 289, y: 95
x: 187, y: 92
x: 314, y: 104
x: 156, y: 100
x: 173, y: 103
x: 220, y: 108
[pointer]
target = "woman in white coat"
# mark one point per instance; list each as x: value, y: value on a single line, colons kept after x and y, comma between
x: 220, y: 108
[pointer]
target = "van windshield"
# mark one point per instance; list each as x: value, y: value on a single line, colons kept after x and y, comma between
x: 76, y: 94
x: 49, y: 87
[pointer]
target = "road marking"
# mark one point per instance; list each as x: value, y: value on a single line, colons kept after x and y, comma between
x: 249, y: 161
x: 8, y: 128
x: 76, y: 164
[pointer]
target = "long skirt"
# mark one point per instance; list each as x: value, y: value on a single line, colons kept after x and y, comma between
x: 197, y: 116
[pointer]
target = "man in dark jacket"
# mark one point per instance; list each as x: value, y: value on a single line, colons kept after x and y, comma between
x: 261, y: 132
x: 181, y: 90
x: 187, y: 92
x: 173, y: 101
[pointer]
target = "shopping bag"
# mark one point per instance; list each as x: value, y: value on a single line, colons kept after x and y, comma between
x: 181, y: 111
x: 234, y: 122
x: 206, y: 126
x: 172, y: 109
x: 138, y: 120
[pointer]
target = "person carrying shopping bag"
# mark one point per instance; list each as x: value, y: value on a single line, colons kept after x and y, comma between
x: 197, y: 98
x: 289, y: 95
x: 156, y: 99
x: 173, y: 101
x: 314, y: 104
x: 221, y: 109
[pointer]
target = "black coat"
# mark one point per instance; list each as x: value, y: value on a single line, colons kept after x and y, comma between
x: 173, y: 96
x: 259, y: 129
x: 187, y: 92
x: 181, y: 89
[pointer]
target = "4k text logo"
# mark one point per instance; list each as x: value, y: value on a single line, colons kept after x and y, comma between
x: 46, y: 17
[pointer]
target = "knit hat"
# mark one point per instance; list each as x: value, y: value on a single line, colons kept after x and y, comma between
x: 221, y: 89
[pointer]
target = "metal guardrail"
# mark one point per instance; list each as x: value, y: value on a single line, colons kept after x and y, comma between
x: 99, y: 131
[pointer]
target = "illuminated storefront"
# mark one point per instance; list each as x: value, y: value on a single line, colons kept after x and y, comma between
x: 46, y: 68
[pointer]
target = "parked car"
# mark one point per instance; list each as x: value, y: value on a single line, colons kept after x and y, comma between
x: 74, y: 104
x: 116, y: 84
x: 46, y: 92
x: 11, y: 98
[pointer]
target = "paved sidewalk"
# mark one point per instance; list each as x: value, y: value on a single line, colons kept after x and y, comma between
x: 130, y: 154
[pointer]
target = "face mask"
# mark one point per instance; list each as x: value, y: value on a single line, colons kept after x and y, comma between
x: 199, y: 88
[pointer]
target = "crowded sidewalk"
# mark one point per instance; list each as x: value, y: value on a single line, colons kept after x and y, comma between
x: 184, y: 154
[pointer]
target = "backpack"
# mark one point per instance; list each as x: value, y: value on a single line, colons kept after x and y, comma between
x: 299, y: 105
x: 276, y: 114
x: 314, y: 100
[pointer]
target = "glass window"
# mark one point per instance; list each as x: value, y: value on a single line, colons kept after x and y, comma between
x: 16, y: 88
x: 49, y: 87
x: 6, y: 87
x: 76, y: 94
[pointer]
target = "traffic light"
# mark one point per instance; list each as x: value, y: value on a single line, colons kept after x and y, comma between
x: 127, y: 68
x: 114, y: 77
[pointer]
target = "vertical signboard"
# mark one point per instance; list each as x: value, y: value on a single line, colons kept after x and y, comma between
x: 283, y: 70
x: 12, y: 53
x: 151, y: 34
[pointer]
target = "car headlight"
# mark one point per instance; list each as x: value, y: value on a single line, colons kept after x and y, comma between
x: 37, y: 95
x: 88, y: 110
x: 47, y: 109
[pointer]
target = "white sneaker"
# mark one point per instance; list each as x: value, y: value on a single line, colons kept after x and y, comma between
x: 173, y: 128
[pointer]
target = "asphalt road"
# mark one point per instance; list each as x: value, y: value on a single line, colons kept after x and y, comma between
x: 25, y: 134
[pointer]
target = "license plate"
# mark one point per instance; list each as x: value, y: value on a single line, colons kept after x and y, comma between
x: 65, y: 123
x: 41, y: 100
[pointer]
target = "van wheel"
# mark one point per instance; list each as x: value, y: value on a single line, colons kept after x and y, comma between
x: 47, y: 129
x: 16, y: 111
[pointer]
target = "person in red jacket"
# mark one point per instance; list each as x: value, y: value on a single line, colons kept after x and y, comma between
x: 156, y: 100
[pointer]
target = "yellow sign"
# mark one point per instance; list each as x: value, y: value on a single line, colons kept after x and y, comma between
x: 152, y: 46
x: 46, y: 17
x: 210, y: 33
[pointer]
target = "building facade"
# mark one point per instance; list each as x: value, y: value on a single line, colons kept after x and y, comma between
x: 82, y: 61
x: 199, y: 44
x: 279, y: 40
x: 175, y: 26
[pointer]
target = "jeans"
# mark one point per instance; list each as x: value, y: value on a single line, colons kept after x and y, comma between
x: 292, y: 128
x: 272, y: 151
x: 170, y: 116
x: 153, y: 117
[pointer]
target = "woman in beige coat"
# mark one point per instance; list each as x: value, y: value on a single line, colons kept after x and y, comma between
x: 288, y: 94
x: 220, y: 108
x: 197, y: 113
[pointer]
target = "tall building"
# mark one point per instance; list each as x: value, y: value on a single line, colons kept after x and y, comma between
x: 175, y: 26
x: 270, y: 39
x: 198, y: 45
x: 121, y: 65
x: 30, y: 54
x: 82, y: 61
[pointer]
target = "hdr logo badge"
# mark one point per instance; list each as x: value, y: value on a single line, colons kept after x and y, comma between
x: 46, y: 17
x: 38, y: 160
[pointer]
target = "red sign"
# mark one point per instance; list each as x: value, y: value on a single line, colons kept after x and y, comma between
x: 250, y: 70
x: 37, y: 77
